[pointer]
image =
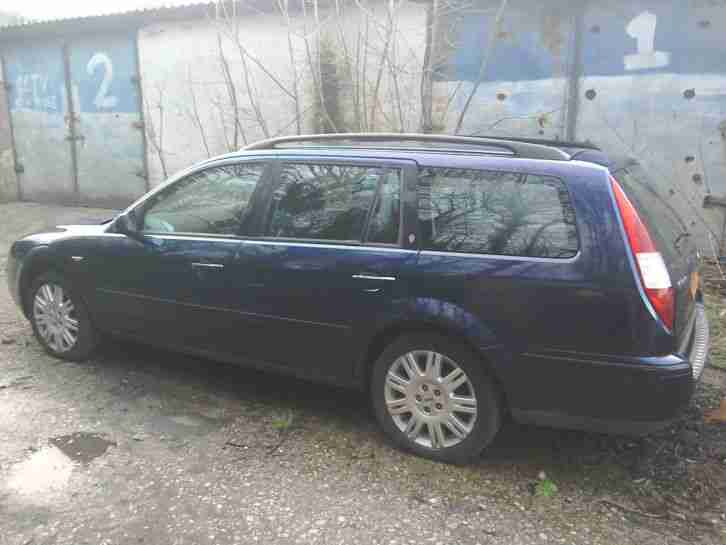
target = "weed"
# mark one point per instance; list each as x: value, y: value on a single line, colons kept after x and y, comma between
x: 283, y: 423
x: 545, y: 488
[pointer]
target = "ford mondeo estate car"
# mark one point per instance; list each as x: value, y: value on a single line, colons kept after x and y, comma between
x: 456, y: 279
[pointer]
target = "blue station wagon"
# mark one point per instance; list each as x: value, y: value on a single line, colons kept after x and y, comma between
x: 456, y: 279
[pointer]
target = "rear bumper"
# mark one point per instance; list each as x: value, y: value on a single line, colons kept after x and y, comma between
x: 610, y: 394
x: 697, y: 343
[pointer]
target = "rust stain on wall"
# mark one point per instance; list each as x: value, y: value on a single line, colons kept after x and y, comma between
x: 553, y: 38
x: 8, y: 178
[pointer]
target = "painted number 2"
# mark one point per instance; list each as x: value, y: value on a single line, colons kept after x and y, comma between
x: 642, y: 28
x: 103, y: 100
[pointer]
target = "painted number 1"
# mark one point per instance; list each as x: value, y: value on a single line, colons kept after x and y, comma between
x: 642, y: 28
x: 103, y: 100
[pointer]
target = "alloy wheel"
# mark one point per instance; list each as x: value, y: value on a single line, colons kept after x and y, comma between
x: 430, y: 399
x: 55, y: 317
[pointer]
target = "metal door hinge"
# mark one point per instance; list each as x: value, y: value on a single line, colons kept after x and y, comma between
x: 138, y: 125
x: 19, y: 169
x: 7, y: 85
x: 76, y: 138
x: 141, y: 174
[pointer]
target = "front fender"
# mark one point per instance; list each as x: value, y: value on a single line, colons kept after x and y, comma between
x: 30, y: 262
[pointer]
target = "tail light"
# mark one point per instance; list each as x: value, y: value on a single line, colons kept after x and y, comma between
x: 651, y: 267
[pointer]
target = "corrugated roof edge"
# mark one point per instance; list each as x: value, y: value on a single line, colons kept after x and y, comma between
x: 123, y: 20
x: 133, y: 18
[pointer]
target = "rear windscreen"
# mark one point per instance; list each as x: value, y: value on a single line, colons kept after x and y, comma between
x: 664, y: 224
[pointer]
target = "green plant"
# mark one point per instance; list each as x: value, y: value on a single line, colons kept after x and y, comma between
x: 545, y: 488
x: 283, y: 423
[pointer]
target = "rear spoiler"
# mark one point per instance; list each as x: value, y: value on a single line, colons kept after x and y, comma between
x: 592, y: 156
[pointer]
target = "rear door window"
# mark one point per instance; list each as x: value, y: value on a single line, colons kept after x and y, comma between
x: 333, y: 202
x: 500, y: 213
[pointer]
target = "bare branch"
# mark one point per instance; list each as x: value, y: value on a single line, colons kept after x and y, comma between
x: 231, y: 92
x: 156, y: 138
x: 194, y: 113
x: 379, y: 77
x: 285, y: 10
x: 427, y: 79
x: 484, y: 63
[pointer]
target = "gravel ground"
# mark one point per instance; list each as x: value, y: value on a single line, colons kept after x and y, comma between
x: 143, y: 446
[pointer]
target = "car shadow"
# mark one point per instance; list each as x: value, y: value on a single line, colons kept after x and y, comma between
x: 524, y: 446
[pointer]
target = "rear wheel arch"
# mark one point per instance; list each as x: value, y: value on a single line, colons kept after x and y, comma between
x: 388, y: 335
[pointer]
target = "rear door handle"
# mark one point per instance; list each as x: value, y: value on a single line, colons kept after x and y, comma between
x: 207, y: 265
x: 374, y: 277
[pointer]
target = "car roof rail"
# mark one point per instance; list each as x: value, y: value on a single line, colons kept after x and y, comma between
x: 560, y: 144
x: 440, y: 142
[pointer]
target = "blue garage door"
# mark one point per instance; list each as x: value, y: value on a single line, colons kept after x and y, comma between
x: 109, y: 134
x: 39, y: 114
x: 86, y: 149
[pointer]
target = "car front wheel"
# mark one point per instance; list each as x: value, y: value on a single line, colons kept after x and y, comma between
x: 434, y: 398
x: 60, y: 319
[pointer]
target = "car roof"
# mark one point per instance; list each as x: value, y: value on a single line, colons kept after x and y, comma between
x: 424, y: 149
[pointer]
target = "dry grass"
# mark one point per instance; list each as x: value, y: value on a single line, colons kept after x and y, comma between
x: 714, y: 287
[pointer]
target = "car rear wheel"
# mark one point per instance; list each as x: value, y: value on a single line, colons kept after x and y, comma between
x: 433, y: 397
x: 60, y: 319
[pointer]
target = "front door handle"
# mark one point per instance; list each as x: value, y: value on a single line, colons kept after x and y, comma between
x: 207, y: 265
x: 374, y: 277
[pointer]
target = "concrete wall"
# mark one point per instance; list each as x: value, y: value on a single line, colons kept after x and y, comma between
x: 524, y: 91
x: 654, y: 87
x: 189, y: 101
x: 8, y: 178
x: 189, y: 106
x: 640, y: 78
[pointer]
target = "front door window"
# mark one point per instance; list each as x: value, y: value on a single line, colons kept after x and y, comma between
x: 215, y: 201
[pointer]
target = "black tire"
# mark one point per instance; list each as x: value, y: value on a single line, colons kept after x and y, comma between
x: 488, y: 418
x: 87, y: 338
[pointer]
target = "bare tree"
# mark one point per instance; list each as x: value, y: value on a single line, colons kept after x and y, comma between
x: 355, y: 59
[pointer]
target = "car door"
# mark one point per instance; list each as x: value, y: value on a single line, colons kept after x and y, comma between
x: 327, y: 264
x: 169, y: 285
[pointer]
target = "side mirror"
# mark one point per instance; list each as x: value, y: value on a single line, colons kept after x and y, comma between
x: 126, y: 224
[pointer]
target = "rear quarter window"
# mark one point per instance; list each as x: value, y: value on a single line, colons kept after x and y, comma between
x: 499, y: 213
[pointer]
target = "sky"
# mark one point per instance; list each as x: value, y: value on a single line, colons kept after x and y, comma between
x: 53, y: 9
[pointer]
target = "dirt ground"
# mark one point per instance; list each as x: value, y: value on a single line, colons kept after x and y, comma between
x: 144, y: 446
